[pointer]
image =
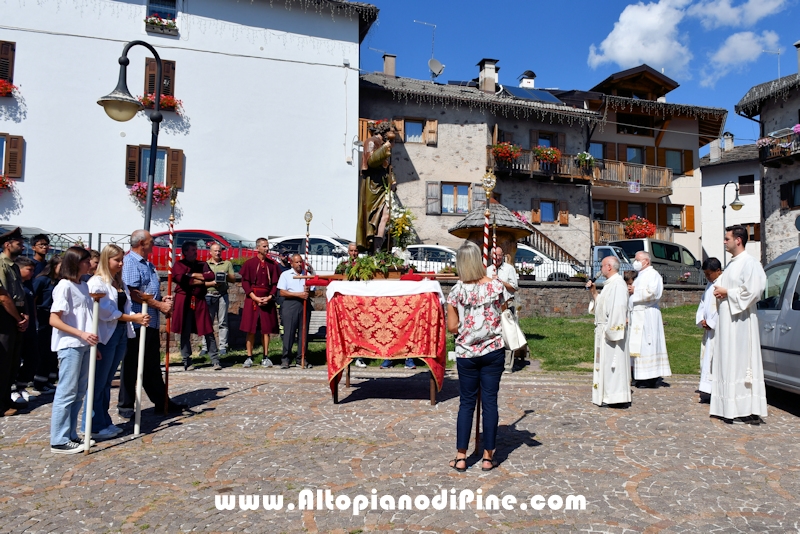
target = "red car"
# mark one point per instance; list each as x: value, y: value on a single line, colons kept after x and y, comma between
x: 233, y: 246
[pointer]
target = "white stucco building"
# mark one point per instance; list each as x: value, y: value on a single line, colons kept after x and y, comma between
x: 726, y: 163
x: 270, y: 108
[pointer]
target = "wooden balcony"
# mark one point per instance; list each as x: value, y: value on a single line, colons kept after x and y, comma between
x: 785, y: 151
x: 620, y: 174
x: 527, y: 165
x: 607, y: 231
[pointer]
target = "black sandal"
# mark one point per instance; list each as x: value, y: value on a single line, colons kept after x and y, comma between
x: 491, y: 461
x: 455, y: 463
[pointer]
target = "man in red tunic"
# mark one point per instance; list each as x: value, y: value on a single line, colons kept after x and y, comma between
x: 260, y: 284
x: 190, y: 315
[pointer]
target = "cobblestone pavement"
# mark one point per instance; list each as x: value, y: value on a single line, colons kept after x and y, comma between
x: 662, y: 465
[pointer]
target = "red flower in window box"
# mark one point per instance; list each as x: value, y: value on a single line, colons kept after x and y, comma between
x: 167, y: 103
x: 505, y: 152
x: 6, y: 87
x: 161, y: 192
x: 6, y: 184
x: 547, y: 154
x: 636, y: 227
x: 156, y: 20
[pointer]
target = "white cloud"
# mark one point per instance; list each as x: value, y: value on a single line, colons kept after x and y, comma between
x: 646, y: 33
x: 737, y: 51
x: 719, y: 13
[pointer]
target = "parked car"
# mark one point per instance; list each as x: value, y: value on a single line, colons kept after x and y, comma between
x: 325, y: 253
x: 544, y: 267
x: 779, y: 322
x: 233, y: 246
x: 600, y: 252
x: 431, y: 258
x: 671, y: 260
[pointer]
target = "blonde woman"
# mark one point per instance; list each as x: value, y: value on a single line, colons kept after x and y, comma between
x: 474, y: 306
x: 114, y: 330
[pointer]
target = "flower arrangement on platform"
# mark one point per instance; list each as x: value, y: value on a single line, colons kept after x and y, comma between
x: 6, y: 87
x: 547, y: 154
x: 365, y: 267
x: 155, y: 20
x: 684, y: 277
x: 161, y: 192
x: 401, y: 226
x: 343, y: 266
x: 636, y: 227
x: 526, y: 269
x: 6, y: 184
x: 505, y: 152
x: 448, y: 270
x: 167, y: 102
x: 765, y: 141
x: 585, y: 159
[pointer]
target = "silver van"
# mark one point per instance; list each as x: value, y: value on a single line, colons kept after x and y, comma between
x: 779, y: 322
x: 673, y: 261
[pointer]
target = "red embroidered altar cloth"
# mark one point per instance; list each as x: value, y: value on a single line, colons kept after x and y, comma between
x: 387, y: 327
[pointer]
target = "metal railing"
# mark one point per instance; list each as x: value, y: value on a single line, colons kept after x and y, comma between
x: 547, y: 246
x: 785, y: 146
x: 526, y: 163
x: 607, y: 231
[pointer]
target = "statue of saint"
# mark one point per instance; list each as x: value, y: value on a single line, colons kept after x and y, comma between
x: 375, y: 186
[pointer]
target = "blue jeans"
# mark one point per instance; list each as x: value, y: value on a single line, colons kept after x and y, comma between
x: 111, y: 353
x: 481, y: 373
x: 73, y: 376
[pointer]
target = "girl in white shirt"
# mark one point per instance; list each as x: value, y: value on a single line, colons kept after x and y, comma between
x: 71, y: 319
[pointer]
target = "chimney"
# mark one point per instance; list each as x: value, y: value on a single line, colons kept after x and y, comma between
x: 526, y: 79
x: 488, y: 75
x: 389, y: 63
x: 797, y: 46
x: 727, y: 141
x: 714, y: 153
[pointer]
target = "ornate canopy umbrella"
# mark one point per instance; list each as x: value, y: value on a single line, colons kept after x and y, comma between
x: 509, y: 228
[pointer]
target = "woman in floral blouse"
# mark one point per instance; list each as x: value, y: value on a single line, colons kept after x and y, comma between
x: 473, y: 315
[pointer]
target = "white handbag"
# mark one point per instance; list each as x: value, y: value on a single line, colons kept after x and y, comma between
x: 513, y: 336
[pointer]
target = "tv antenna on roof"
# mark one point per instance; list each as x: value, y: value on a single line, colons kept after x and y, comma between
x: 434, y: 64
x: 778, y: 52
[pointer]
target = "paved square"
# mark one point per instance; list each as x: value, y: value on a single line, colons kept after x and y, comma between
x: 662, y: 465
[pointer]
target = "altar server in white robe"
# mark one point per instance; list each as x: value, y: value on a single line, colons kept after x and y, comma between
x: 611, y: 384
x: 706, y: 318
x: 648, y: 348
x: 738, y: 394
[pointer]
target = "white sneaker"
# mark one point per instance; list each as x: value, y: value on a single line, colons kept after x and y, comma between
x: 360, y: 363
x: 16, y: 398
x: 266, y: 362
x: 25, y: 395
x: 248, y: 363
x: 106, y: 433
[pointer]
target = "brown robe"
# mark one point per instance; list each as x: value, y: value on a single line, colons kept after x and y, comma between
x: 261, y: 278
x: 376, y: 176
x: 181, y: 274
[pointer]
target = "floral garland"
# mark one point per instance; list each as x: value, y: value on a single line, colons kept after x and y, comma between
x: 547, y: 154
x: 505, y: 152
x: 765, y: 141
x: 166, y: 102
x: 161, y: 192
x: 796, y: 129
x: 636, y: 227
x: 521, y: 218
x: 6, y: 87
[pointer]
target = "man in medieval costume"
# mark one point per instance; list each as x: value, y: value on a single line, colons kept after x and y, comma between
x: 377, y: 182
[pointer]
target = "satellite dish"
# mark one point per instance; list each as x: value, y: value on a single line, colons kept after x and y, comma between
x: 435, y: 66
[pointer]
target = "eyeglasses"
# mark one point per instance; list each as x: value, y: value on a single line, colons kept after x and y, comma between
x: 41, y: 245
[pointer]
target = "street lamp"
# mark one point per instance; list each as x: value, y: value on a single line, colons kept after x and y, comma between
x: 736, y: 205
x: 121, y: 106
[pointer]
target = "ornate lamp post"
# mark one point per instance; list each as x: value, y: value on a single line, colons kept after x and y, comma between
x: 736, y: 205
x: 489, y: 181
x: 307, y: 217
x: 121, y: 106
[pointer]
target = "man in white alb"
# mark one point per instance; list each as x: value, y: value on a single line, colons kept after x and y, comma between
x: 738, y: 394
x: 507, y: 274
x: 706, y: 318
x: 612, y: 377
x: 648, y: 349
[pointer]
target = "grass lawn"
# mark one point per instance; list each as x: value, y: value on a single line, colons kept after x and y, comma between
x: 561, y: 344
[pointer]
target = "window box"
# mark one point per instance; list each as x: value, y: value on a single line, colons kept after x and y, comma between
x: 157, y: 28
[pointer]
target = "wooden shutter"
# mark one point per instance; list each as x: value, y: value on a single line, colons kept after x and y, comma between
x: 785, y: 195
x: 14, y: 152
x: 610, y: 151
x: 652, y: 212
x: 430, y: 134
x: 131, y: 165
x: 433, y: 198
x: 662, y: 215
x: 688, y: 162
x: 688, y: 218
x: 363, y: 133
x: 534, y: 138
x: 757, y: 232
x: 536, y: 213
x: 611, y: 210
x: 7, y: 50
x: 562, y: 142
x: 622, y: 152
x: 175, y: 168
x: 649, y: 155
x: 563, y: 212
x: 661, y: 157
x: 478, y: 197
x: 167, y: 76
x: 400, y: 128
x: 623, y: 210
x: 150, y: 72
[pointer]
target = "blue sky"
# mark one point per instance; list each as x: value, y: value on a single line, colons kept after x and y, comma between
x: 713, y: 48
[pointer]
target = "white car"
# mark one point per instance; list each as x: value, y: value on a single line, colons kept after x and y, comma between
x: 427, y: 258
x: 324, y: 253
x: 544, y: 267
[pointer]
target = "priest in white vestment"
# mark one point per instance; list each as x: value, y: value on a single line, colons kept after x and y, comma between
x: 706, y: 318
x: 612, y: 377
x: 648, y: 348
x: 738, y: 394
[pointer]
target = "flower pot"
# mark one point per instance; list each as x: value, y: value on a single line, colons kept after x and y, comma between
x: 391, y: 275
x: 160, y: 108
x: 577, y: 279
x: 155, y: 28
x: 527, y: 277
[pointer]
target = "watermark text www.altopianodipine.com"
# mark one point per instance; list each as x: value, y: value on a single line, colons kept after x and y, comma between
x: 444, y: 500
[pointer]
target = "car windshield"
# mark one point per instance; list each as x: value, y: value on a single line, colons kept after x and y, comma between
x: 630, y: 247
x: 236, y: 240
x: 344, y: 242
x: 621, y: 253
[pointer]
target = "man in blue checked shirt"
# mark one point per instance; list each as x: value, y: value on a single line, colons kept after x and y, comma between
x: 142, y: 279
